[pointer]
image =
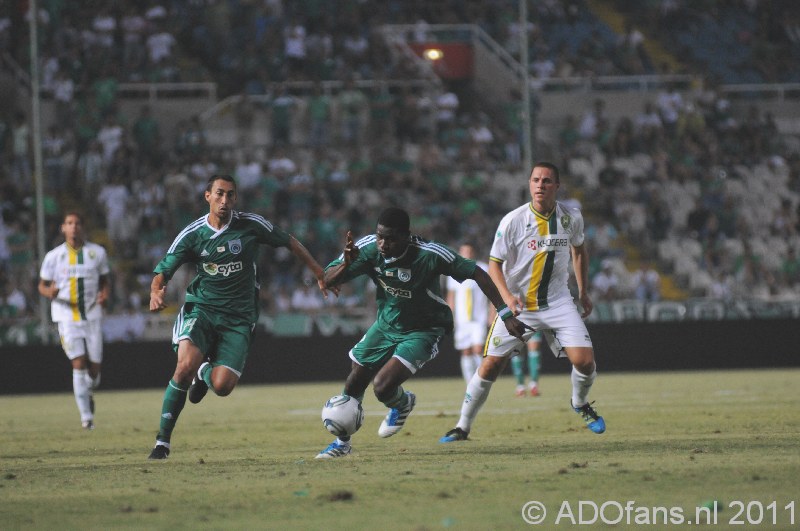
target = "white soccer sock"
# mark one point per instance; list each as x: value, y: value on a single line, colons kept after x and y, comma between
x: 82, y: 391
x: 581, y: 384
x: 467, y: 367
x: 477, y: 393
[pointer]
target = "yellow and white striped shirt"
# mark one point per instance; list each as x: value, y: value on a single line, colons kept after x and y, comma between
x: 76, y: 273
x: 534, y: 251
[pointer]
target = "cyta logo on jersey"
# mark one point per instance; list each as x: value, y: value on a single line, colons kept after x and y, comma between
x: 235, y: 246
x: 224, y: 269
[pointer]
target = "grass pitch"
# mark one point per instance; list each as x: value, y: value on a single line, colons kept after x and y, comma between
x: 675, y: 440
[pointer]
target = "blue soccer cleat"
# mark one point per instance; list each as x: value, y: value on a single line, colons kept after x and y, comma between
x: 334, y: 449
x: 593, y: 421
x: 456, y: 434
x: 396, y: 418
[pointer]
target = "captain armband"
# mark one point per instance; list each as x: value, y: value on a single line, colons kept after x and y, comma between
x: 504, y: 312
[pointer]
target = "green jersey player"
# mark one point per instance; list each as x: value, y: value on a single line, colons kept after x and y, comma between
x: 213, y: 329
x: 412, y: 315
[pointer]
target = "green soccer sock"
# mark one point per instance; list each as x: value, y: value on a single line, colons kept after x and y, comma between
x: 205, y: 374
x: 399, y: 400
x: 533, y: 365
x: 174, y: 400
x: 360, y: 397
x: 516, y: 368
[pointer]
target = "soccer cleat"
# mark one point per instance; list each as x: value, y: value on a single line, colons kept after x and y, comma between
x: 333, y: 450
x: 456, y: 434
x: 520, y: 392
x: 396, y: 418
x: 159, y: 452
x: 198, y: 390
x: 87, y: 424
x: 534, y: 390
x: 593, y: 421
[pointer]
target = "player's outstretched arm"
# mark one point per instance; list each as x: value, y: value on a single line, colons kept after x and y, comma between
x: 300, y: 251
x: 349, y: 254
x: 158, y: 291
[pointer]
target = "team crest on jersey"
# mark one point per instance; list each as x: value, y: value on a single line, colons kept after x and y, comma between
x: 404, y: 275
x: 235, y: 246
x: 92, y: 255
x: 496, y: 340
x: 566, y: 221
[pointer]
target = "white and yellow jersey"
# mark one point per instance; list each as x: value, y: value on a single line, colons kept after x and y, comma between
x: 534, y: 251
x: 76, y: 273
x: 470, y: 302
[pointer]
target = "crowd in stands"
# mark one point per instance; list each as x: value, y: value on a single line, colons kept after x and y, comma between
x: 436, y: 156
x: 744, y: 41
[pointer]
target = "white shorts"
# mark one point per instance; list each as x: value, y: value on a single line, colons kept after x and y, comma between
x: 82, y: 337
x: 561, y: 326
x: 468, y: 334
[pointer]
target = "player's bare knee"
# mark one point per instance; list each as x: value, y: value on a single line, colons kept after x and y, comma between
x: 224, y: 390
x: 491, y: 367
x: 584, y: 365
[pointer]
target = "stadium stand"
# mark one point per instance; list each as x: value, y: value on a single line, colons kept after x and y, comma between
x: 318, y: 107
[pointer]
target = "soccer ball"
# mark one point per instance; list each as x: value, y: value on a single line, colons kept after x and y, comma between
x: 342, y: 415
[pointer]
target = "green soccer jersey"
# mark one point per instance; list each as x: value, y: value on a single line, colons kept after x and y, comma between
x: 409, y: 291
x: 225, y: 261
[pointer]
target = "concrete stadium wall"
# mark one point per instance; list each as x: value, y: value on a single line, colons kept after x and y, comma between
x: 619, y: 347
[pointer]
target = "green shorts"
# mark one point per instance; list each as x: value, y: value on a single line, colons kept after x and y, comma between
x: 224, y: 338
x: 413, y: 349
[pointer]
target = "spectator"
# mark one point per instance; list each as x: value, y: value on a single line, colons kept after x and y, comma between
x: 447, y: 105
x: 282, y: 105
x: 134, y: 27
x: 111, y: 136
x: 12, y: 299
x: 350, y: 102
x: 319, y: 115
x: 195, y: 139
x: 63, y: 96
x: 605, y: 283
x: 381, y: 118
x: 160, y: 45
x: 147, y: 136
x: 306, y: 299
x: 593, y: 121
x: 21, y: 149
x: 646, y: 283
x: 113, y: 197
x: 91, y: 174
x: 294, y: 38
x: 56, y: 150
x: 790, y: 268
